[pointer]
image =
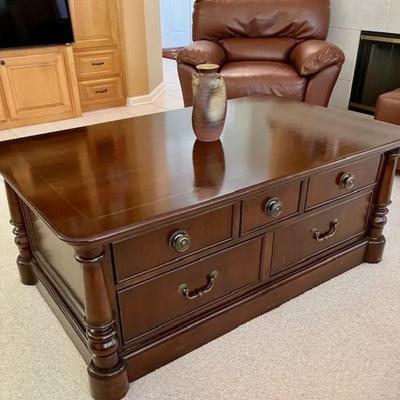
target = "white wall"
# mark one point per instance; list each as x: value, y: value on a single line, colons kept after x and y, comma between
x: 348, y: 19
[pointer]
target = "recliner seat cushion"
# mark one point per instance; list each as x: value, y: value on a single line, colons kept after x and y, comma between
x: 247, y: 78
x: 298, y: 19
x: 258, y: 49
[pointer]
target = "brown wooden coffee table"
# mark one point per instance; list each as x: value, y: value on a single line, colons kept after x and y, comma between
x: 147, y: 244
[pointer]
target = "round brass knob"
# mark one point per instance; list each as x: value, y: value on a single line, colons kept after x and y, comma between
x: 2, y: 62
x: 180, y: 241
x: 274, y: 207
x: 347, y: 181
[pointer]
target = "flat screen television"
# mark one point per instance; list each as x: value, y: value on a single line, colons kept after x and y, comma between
x: 25, y: 23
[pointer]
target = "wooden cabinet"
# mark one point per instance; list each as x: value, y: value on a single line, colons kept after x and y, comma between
x: 43, y: 84
x: 37, y: 86
x: 151, y: 269
x: 97, y: 53
x: 95, y: 22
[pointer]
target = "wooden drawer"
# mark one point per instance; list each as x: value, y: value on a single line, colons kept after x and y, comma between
x: 152, y: 304
x: 92, y: 64
x: 147, y: 251
x: 101, y: 92
x: 327, y: 185
x: 254, y: 209
x: 298, y: 241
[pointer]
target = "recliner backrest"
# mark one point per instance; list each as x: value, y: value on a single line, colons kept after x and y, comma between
x: 298, y: 19
x: 258, y: 49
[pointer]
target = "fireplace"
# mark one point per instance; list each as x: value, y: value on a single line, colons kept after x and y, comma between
x: 377, y: 70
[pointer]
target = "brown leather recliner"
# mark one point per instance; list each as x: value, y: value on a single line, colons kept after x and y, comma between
x: 264, y: 47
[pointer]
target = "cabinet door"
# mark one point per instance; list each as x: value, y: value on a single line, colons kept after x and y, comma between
x: 3, y: 115
x: 36, y: 86
x: 95, y: 22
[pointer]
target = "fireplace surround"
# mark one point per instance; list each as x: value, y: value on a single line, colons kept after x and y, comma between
x: 376, y: 72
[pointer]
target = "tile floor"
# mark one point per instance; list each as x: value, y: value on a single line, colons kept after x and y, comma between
x: 169, y: 100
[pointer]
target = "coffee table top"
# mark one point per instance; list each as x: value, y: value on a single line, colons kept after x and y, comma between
x: 92, y: 182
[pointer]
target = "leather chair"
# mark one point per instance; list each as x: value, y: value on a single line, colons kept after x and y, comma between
x: 264, y: 47
x: 388, y: 110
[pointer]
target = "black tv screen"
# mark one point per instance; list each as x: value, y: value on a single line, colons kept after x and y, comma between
x: 25, y: 23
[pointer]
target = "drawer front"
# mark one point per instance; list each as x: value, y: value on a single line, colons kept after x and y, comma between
x: 316, y: 233
x: 101, y: 91
x: 91, y: 64
x: 332, y: 184
x: 152, y: 304
x: 147, y: 251
x: 270, y: 206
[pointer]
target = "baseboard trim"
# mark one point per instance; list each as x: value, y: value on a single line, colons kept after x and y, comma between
x: 148, y: 98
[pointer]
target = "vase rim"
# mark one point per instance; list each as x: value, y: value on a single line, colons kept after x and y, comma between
x: 207, y: 68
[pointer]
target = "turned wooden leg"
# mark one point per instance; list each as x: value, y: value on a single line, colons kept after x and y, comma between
x: 24, y: 259
x: 377, y: 241
x: 108, y: 377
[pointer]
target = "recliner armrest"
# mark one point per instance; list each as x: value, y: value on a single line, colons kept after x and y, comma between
x: 312, y: 56
x: 202, y: 52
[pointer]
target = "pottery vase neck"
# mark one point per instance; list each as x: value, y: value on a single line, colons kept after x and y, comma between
x: 207, y: 69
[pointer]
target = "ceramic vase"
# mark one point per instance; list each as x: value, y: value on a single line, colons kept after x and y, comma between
x: 209, y: 103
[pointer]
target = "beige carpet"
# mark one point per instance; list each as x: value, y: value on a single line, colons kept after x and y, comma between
x: 339, y: 341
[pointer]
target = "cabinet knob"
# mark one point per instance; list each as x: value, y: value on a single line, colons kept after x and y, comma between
x: 347, y: 181
x: 180, y: 241
x: 2, y: 62
x: 274, y: 207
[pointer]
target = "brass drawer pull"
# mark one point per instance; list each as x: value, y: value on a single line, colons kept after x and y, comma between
x: 102, y: 91
x: 274, y: 207
x: 180, y: 241
x: 321, y: 237
x: 95, y: 64
x: 347, y: 181
x: 192, y: 295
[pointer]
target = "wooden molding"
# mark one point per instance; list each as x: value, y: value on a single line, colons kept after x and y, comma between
x: 149, y: 98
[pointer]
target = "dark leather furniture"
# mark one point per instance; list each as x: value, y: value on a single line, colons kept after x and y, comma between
x: 388, y: 109
x: 264, y: 47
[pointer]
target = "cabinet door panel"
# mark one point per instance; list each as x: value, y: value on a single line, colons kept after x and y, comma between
x: 3, y: 115
x: 95, y: 22
x: 36, y: 85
